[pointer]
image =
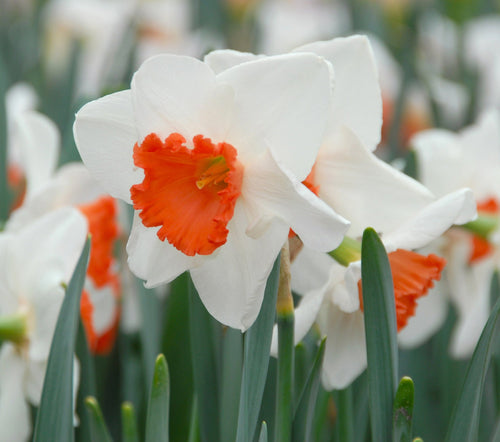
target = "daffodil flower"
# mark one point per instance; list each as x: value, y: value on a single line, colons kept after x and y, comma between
x: 448, y: 161
x: 36, y: 263
x: 406, y: 215
x: 213, y: 166
x: 36, y: 139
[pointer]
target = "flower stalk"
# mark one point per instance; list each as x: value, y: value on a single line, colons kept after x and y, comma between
x: 285, y: 319
x: 14, y: 327
x: 348, y: 251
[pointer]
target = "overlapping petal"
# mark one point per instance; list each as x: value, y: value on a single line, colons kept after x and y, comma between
x: 105, y: 134
x: 288, y: 117
x: 231, y: 284
x: 357, y: 100
x: 276, y: 192
x: 364, y: 189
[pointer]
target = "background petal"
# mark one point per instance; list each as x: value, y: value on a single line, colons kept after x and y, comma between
x: 357, y: 100
x: 364, y: 189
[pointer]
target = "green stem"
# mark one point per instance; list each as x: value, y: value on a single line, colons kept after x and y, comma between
x: 13, y: 328
x: 285, y: 317
x: 348, y: 251
x: 482, y: 226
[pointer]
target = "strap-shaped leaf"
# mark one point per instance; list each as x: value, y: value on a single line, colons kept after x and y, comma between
x: 55, y: 415
x: 130, y: 433
x: 464, y: 422
x: 304, y: 415
x: 159, y: 398
x: 257, y: 345
x: 380, y: 332
x: 98, y: 428
x: 204, y: 366
x: 403, y: 411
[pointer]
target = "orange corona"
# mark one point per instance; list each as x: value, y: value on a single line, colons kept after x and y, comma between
x: 412, y: 275
x: 189, y: 193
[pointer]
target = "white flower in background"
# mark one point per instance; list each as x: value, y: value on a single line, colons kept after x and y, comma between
x: 481, y: 41
x: 36, y: 139
x: 286, y: 24
x: 98, y: 27
x: 166, y: 26
x: 35, y: 264
x: 369, y: 193
x: 447, y: 161
x: 213, y: 164
x: 19, y: 98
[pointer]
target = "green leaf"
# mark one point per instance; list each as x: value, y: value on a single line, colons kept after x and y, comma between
x: 55, y: 414
x: 263, y: 433
x: 150, y: 331
x: 304, y: 414
x: 204, y: 366
x: 98, y: 428
x: 232, y: 364
x: 257, y: 345
x: 87, y: 386
x: 464, y: 422
x: 380, y: 332
x: 130, y: 433
x: 157, y: 417
x: 345, y: 418
x: 176, y: 347
x: 403, y: 410
x: 284, y: 392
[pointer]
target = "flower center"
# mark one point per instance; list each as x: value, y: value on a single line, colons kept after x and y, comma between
x: 103, y: 228
x: 412, y: 275
x: 488, y: 209
x: 189, y: 193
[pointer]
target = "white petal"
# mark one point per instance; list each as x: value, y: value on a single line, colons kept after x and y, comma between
x: 345, y: 352
x: 282, y: 103
x: 15, y: 420
x: 223, y: 59
x: 455, y: 208
x: 440, y: 161
x: 104, y: 305
x: 154, y: 260
x: 38, y: 141
x: 169, y: 93
x: 272, y: 191
x: 231, y: 284
x: 429, y: 317
x: 305, y: 315
x: 105, y: 135
x: 364, y: 189
x: 72, y: 185
x: 347, y: 299
x: 35, y: 375
x: 357, y: 101
x: 310, y: 270
x: 471, y: 295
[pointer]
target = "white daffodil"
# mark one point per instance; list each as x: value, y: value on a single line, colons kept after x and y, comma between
x: 98, y: 26
x: 447, y: 161
x: 36, y: 262
x: 36, y: 139
x: 406, y: 215
x: 213, y: 165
